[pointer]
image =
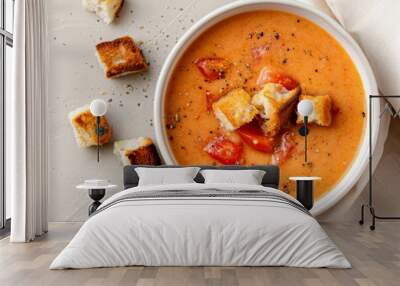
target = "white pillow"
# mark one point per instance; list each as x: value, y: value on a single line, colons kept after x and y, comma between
x: 164, y: 176
x: 247, y: 177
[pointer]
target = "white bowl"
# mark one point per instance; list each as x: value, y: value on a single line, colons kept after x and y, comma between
x: 304, y: 10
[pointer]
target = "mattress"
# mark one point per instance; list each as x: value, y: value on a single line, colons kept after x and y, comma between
x: 201, y: 225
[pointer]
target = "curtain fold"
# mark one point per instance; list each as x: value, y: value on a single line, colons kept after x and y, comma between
x: 27, y: 142
x: 374, y: 24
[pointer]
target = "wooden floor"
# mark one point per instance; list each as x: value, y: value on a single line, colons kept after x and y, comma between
x: 375, y: 257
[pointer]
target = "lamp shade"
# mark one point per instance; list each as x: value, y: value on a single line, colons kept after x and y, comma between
x: 98, y: 107
x: 305, y: 107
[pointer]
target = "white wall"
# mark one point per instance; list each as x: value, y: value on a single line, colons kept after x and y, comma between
x: 76, y: 78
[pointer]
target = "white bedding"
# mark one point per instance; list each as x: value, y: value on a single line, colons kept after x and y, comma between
x: 200, y: 231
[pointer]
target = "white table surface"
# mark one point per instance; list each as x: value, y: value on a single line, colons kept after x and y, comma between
x: 304, y: 178
x: 95, y: 187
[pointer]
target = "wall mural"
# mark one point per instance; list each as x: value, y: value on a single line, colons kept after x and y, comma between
x: 232, y: 98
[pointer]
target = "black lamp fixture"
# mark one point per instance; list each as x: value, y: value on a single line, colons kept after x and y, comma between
x: 98, y: 108
x: 370, y: 204
x: 305, y: 185
x: 305, y: 108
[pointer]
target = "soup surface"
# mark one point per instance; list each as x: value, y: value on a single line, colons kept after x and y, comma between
x: 282, y: 42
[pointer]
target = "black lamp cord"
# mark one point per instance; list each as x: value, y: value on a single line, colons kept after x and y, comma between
x: 98, y: 137
x: 305, y: 137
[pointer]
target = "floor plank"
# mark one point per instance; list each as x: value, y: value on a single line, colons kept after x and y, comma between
x: 375, y: 257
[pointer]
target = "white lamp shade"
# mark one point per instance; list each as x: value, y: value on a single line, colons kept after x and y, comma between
x: 305, y: 107
x: 98, y: 107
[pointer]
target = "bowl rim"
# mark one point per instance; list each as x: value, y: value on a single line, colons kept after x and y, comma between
x: 360, y: 161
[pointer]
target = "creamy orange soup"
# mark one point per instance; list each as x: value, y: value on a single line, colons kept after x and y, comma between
x: 292, y: 45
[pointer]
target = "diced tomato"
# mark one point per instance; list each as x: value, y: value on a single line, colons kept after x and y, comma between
x: 334, y: 109
x: 288, y: 82
x: 285, y: 149
x: 212, y: 68
x: 275, y: 77
x: 211, y: 98
x: 259, y: 52
x: 253, y: 135
x: 224, y: 150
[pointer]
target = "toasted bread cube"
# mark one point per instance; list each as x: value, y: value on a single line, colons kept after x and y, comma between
x: 137, y: 151
x: 321, y: 114
x: 84, y: 127
x: 121, y: 57
x: 275, y: 104
x: 234, y: 109
x: 107, y: 10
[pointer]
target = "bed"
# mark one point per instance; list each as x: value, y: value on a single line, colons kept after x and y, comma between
x: 199, y: 224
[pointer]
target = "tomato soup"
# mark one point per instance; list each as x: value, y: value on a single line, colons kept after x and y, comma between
x: 295, y: 47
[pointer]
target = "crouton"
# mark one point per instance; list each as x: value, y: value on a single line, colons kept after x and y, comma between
x: 234, y: 109
x: 84, y: 127
x: 275, y: 104
x: 107, y: 10
x: 120, y: 57
x: 321, y: 114
x: 137, y: 151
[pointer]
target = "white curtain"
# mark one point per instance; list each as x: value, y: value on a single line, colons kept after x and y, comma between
x: 26, y: 124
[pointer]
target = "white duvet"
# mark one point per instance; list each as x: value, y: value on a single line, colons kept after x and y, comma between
x: 200, y: 231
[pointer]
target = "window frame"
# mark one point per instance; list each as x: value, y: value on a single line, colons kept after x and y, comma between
x: 6, y: 39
